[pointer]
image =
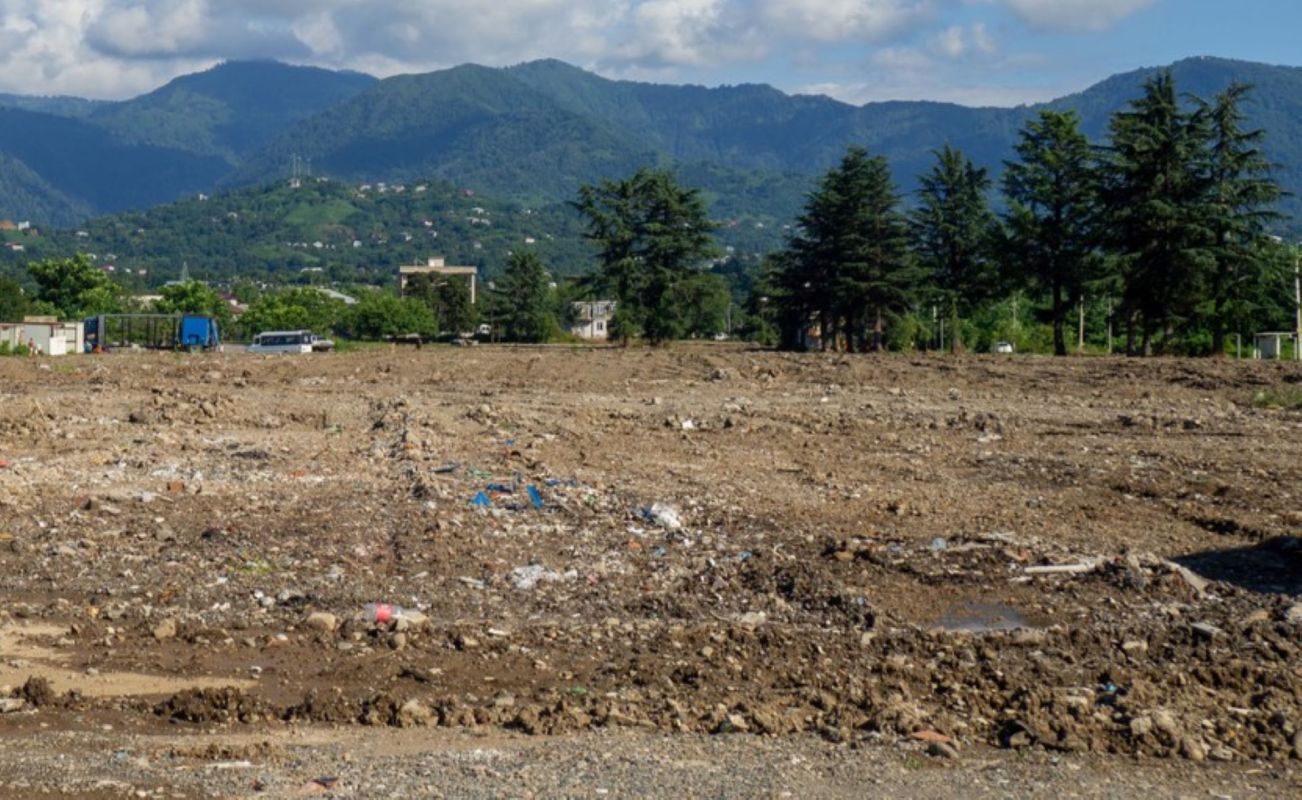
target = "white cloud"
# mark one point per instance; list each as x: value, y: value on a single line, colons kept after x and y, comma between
x: 118, y: 48
x: 843, y: 20
x: 1076, y: 15
x: 957, y: 42
x: 121, y: 47
x: 913, y: 87
x: 690, y: 32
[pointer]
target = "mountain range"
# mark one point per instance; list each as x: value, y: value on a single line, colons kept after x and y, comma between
x: 531, y: 133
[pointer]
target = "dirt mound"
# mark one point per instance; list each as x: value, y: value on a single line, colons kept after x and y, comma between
x: 212, y: 705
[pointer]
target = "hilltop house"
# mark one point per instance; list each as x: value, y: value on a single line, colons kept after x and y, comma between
x: 592, y: 319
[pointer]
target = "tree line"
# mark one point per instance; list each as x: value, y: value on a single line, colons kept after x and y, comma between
x: 1166, y: 224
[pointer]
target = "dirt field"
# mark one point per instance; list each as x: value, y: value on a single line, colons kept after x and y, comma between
x: 700, y: 571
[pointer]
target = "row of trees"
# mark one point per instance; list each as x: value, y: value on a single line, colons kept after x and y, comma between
x: 1162, y: 232
x: 1168, y: 221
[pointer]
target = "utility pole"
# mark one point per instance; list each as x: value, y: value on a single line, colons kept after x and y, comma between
x: 1109, y: 324
x: 1080, y: 330
x: 1297, y: 301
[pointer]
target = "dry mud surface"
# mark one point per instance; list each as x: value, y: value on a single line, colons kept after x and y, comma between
x: 700, y: 571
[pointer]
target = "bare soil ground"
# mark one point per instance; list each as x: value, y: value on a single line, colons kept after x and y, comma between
x: 700, y: 571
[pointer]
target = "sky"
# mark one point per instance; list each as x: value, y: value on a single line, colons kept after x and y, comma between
x: 975, y: 52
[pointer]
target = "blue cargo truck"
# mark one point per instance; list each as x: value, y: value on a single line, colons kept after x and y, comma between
x: 198, y: 333
x: 152, y: 331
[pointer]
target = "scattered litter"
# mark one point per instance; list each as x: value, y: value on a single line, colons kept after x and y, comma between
x: 535, y: 499
x: 447, y: 468
x: 526, y: 578
x: 663, y: 515
x: 1061, y: 569
x: 381, y: 612
x: 481, y: 500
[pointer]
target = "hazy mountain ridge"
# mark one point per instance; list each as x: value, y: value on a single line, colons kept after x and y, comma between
x: 534, y: 132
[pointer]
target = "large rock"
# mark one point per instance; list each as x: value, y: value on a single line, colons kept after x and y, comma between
x: 1165, y: 723
x: 9, y: 705
x: 414, y: 713
x: 1193, y: 749
x: 165, y: 630
x: 322, y: 621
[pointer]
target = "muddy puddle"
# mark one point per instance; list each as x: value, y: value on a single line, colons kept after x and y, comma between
x: 983, y: 617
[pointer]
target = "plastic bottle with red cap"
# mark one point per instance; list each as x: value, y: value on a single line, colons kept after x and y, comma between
x: 381, y: 612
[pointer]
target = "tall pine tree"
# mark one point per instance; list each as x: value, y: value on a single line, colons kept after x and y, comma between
x: 526, y: 299
x: 952, y: 227
x: 1052, y: 193
x: 1242, y: 197
x: 850, y: 264
x: 1158, y: 218
x: 650, y: 232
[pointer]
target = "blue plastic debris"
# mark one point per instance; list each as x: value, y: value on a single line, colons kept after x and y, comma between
x: 535, y: 498
x: 481, y: 500
x: 500, y: 488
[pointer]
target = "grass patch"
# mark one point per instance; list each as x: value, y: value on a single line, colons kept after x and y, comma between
x: 351, y: 346
x: 312, y: 217
x: 1286, y: 396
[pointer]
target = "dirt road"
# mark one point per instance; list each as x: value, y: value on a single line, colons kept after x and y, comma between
x: 1082, y: 573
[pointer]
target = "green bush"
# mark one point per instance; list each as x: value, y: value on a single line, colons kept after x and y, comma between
x: 1286, y: 396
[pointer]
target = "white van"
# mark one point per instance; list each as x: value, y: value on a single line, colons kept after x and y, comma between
x: 282, y: 342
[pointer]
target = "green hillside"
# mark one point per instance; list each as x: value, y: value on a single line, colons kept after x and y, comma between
x: 352, y: 233
x: 533, y: 133
x: 24, y: 195
x: 84, y: 163
x: 231, y: 109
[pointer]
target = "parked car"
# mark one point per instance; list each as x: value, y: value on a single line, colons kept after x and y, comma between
x: 282, y: 342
